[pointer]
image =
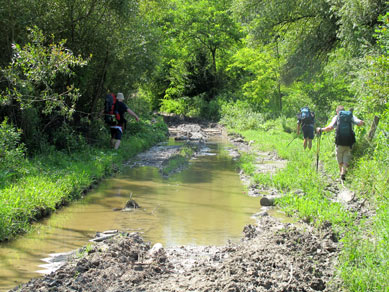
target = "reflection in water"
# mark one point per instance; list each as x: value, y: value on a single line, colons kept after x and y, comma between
x: 205, y: 204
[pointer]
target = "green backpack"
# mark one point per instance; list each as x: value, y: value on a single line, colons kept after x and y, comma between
x: 345, y: 135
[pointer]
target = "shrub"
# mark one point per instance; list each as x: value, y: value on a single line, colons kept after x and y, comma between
x: 177, y: 106
x: 11, y: 150
x: 232, y: 113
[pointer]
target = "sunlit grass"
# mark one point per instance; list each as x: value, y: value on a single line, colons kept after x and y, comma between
x: 364, y: 261
x: 55, y: 178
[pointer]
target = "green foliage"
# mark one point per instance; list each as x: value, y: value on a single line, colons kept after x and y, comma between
x: 66, y: 138
x: 295, y: 98
x: 232, y: 116
x: 364, y: 258
x: 177, y: 106
x: 11, y: 151
x: 197, y: 107
x: 382, y: 34
x: 56, y: 177
x: 33, y: 72
x: 140, y: 105
x: 257, y: 69
x: 373, y: 85
x: 210, y: 110
x: 306, y: 31
x: 363, y: 263
x: 357, y: 20
x: 200, y: 37
x: 121, y: 37
x: 299, y: 174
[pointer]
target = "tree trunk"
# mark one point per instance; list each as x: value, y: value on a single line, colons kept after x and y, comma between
x: 278, y: 76
x: 373, y: 128
x: 99, y: 88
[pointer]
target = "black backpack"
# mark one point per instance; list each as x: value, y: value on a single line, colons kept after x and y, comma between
x: 111, y: 115
x: 345, y: 135
x: 306, y: 116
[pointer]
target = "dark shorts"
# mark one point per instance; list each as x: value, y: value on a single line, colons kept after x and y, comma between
x: 116, y: 134
x: 308, y: 131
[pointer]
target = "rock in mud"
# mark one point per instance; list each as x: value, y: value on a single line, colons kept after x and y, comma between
x: 269, y: 200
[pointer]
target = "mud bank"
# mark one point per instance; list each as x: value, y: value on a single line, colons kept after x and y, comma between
x: 271, y: 256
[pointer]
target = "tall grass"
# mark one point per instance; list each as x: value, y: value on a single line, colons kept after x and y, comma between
x: 55, y: 178
x: 364, y: 259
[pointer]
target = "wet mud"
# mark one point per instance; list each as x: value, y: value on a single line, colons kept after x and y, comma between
x: 271, y: 255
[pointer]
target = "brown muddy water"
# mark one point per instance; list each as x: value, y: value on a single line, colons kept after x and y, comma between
x: 206, y: 204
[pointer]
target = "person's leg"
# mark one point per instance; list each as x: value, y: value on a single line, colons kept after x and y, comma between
x: 113, y: 134
x: 309, y: 144
x: 346, y: 161
x: 308, y: 136
x: 117, y: 144
x: 343, y: 156
x: 118, y: 137
x: 339, y: 157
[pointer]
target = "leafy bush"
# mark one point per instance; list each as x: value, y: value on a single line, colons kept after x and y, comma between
x: 232, y: 116
x: 177, y: 106
x: 211, y: 111
x: 11, y: 150
x: 139, y: 104
x: 196, y: 106
x: 66, y: 138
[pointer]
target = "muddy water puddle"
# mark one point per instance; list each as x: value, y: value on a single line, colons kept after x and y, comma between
x: 205, y: 204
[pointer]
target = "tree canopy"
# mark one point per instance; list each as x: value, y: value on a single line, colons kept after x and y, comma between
x: 190, y: 55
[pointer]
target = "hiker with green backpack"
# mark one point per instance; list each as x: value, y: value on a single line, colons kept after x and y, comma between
x: 344, y: 136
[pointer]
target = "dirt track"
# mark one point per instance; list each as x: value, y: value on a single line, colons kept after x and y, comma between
x: 271, y: 256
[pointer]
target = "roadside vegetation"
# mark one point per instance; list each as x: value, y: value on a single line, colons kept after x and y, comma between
x: 40, y: 185
x: 249, y: 64
x: 363, y: 264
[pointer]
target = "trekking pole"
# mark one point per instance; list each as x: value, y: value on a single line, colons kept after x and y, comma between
x: 291, y: 141
x: 318, y: 150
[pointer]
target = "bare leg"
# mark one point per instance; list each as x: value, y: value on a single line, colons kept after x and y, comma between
x: 344, y: 169
x: 309, y: 143
x: 117, y: 144
x: 305, y: 143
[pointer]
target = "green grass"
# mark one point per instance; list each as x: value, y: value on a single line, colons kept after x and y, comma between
x: 363, y: 263
x: 53, y: 179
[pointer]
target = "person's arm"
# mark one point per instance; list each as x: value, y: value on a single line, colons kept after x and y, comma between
x: 330, y: 127
x: 298, y: 128
x: 357, y: 121
x: 133, y: 114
